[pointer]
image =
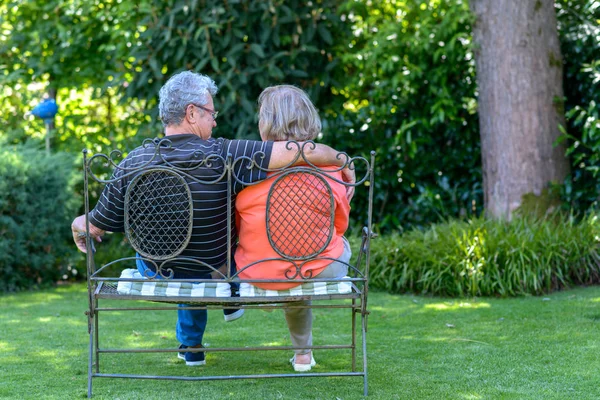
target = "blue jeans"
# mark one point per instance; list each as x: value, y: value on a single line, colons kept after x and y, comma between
x: 191, y: 324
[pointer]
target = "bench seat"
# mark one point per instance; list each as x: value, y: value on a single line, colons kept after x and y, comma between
x: 136, y: 287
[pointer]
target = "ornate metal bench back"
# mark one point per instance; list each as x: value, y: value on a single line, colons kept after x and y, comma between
x: 158, y: 213
x: 300, y: 214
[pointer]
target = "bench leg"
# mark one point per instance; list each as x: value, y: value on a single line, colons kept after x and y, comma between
x: 90, y: 360
x: 96, y: 341
x: 353, y: 311
x: 364, y: 351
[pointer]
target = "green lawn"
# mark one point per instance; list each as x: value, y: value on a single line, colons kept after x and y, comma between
x: 419, y: 348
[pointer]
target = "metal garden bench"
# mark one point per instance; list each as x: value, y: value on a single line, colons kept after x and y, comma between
x: 159, y: 204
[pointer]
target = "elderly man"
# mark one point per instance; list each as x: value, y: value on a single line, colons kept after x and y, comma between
x: 188, y: 114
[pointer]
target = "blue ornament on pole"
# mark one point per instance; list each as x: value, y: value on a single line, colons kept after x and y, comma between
x: 46, y: 110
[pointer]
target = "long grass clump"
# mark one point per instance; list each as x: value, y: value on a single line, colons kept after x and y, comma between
x: 484, y: 257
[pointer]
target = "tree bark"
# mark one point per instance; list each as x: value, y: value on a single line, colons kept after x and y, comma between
x: 519, y: 74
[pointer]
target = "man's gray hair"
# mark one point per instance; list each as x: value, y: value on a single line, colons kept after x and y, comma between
x: 181, y: 90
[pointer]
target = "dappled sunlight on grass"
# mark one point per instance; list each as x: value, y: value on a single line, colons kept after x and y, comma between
x: 36, y: 299
x: 51, y: 321
x: 472, y: 341
x: 143, y: 337
x: 4, y: 346
x: 450, y: 339
x: 595, y: 300
x: 48, y: 353
x: 471, y: 396
x: 399, y: 309
x: 456, y: 306
x: 274, y: 343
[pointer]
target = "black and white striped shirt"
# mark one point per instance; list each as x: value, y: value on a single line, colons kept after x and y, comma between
x: 209, y: 235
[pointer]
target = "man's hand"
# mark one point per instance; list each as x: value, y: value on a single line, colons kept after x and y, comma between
x: 79, y: 233
x: 349, y: 177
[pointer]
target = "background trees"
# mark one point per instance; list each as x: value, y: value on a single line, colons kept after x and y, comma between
x: 579, y: 29
x: 409, y: 92
x: 244, y: 45
x: 396, y: 74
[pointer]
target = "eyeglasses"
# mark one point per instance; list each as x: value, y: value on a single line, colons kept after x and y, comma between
x: 214, y: 114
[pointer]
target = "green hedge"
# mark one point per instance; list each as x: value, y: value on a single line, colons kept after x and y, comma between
x: 36, y: 208
x: 488, y: 257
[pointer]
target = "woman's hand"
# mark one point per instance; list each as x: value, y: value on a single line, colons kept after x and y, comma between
x: 349, y: 177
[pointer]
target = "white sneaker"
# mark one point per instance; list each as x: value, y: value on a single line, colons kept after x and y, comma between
x: 303, y: 367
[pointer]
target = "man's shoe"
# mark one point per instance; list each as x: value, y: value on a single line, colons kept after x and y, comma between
x: 181, y: 354
x: 191, y: 359
x: 232, y: 314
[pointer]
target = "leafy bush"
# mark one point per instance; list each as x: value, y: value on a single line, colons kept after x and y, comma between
x: 36, y: 208
x: 489, y: 257
x: 414, y: 91
x: 395, y: 76
x: 579, y: 26
x: 409, y: 93
x: 76, y: 52
x: 244, y: 45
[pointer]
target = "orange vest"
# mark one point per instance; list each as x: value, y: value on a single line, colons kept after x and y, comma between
x: 251, y: 210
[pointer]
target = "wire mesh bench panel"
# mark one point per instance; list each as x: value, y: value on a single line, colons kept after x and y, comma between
x: 158, y: 214
x: 300, y: 212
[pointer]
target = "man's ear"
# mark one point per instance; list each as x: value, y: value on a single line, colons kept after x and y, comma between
x: 190, y: 115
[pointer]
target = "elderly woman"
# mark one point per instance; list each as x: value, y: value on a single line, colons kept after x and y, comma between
x: 286, y: 113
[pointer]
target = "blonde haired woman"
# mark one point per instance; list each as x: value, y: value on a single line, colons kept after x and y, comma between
x: 286, y: 113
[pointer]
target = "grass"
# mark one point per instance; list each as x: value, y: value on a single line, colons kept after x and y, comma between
x: 419, y: 348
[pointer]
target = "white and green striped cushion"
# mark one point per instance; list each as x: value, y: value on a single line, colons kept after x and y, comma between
x: 306, y: 289
x: 166, y: 288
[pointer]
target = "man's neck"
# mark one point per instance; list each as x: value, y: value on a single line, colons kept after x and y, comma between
x: 176, y: 130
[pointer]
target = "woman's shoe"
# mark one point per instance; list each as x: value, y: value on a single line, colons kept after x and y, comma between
x: 303, y: 367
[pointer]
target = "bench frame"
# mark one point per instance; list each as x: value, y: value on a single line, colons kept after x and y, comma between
x: 102, y: 287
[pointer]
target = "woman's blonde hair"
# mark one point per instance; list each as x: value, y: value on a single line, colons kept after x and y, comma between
x: 286, y: 113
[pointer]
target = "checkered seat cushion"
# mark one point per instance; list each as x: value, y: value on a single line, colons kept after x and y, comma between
x: 166, y: 288
x: 308, y: 289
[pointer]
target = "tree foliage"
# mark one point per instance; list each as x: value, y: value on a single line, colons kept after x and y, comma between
x: 579, y: 26
x: 244, y: 45
x: 107, y: 60
x: 410, y: 94
x: 396, y: 76
x: 74, y: 50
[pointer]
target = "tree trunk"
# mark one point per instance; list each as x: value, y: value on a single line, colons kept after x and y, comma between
x: 519, y: 74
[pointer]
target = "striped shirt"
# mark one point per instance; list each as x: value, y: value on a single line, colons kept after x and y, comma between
x: 208, y: 242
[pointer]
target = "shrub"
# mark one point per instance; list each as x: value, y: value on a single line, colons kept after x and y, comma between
x: 489, y: 257
x: 409, y: 93
x: 244, y: 45
x: 36, y: 209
